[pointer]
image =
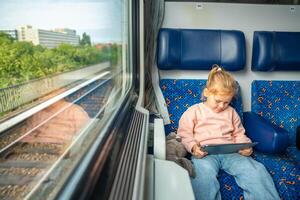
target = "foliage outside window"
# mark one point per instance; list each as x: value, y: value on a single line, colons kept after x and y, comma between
x: 22, y: 61
x: 43, y: 137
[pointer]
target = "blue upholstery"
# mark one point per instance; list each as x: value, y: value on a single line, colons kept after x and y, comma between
x: 279, y: 103
x: 270, y: 138
x: 285, y: 172
x: 276, y: 51
x: 180, y: 94
x: 284, y: 168
x: 198, y: 50
x: 194, y: 49
x: 228, y: 187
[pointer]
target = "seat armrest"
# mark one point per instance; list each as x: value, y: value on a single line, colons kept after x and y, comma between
x: 270, y: 138
x: 159, y: 146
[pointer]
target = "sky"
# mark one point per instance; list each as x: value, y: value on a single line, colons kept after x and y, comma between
x: 101, y: 19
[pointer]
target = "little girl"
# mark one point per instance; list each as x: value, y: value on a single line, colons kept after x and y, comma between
x: 215, y: 122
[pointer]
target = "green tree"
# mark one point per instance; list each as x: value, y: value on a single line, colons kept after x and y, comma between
x: 5, y: 38
x: 85, y: 40
x: 23, y: 61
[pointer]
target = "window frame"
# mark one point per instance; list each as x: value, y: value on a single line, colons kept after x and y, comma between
x: 85, y: 175
x: 91, y: 174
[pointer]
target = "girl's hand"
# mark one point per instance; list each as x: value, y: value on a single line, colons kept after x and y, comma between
x: 197, y: 152
x: 246, y: 152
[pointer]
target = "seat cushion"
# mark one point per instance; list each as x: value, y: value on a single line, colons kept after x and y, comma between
x: 293, y: 153
x: 228, y: 187
x: 283, y: 168
x: 285, y: 172
x: 182, y: 93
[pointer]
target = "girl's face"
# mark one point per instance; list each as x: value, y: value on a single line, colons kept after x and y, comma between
x: 218, y: 103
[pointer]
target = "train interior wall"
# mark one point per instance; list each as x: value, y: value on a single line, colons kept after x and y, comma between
x: 228, y: 16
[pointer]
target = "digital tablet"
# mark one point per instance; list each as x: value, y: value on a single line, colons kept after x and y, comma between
x: 226, y: 148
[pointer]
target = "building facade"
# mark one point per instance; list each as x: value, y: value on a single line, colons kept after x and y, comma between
x: 47, y: 38
x: 12, y: 33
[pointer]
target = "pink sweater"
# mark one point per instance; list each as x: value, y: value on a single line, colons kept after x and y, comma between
x: 200, y: 125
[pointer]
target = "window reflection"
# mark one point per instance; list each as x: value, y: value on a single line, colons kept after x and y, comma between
x: 61, y: 121
x: 48, y: 48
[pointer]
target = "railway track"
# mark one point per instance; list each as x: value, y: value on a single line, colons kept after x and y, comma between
x: 29, y: 151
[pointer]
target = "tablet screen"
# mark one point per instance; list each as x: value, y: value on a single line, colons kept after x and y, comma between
x: 226, y: 148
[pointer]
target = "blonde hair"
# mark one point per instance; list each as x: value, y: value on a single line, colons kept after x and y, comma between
x: 221, y: 82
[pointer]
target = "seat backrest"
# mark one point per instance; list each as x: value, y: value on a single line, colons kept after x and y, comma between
x: 277, y: 101
x: 180, y: 94
x: 276, y: 51
x: 196, y: 49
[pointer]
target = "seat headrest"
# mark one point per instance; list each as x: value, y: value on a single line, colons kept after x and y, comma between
x: 195, y: 49
x: 276, y: 51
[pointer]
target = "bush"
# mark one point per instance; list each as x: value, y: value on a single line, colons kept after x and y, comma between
x: 22, y: 61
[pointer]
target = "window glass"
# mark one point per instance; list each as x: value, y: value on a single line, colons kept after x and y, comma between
x: 65, y: 68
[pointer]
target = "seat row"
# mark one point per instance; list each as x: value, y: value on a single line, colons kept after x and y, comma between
x: 275, y: 104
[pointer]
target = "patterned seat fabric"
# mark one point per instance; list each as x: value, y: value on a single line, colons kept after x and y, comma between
x: 279, y: 102
x: 180, y: 94
x: 285, y: 172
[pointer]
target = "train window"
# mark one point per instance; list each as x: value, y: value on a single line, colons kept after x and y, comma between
x: 65, y: 68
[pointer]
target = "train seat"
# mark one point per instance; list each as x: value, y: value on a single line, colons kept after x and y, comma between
x: 277, y: 102
x: 180, y: 94
x: 185, y: 49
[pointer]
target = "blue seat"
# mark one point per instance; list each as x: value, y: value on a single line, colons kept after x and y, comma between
x: 186, y: 49
x: 275, y: 51
x: 276, y: 104
x: 180, y: 94
x: 178, y: 49
x: 183, y: 93
x: 196, y: 49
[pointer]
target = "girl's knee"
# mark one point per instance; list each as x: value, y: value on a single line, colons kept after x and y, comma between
x: 262, y: 171
x: 249, y: 167
x: 259, y: 172
x: 204, y: 168
x: 259, y: 167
